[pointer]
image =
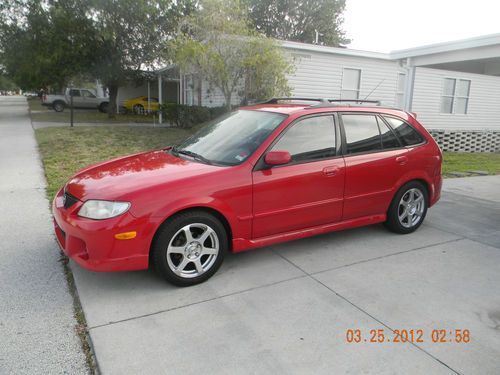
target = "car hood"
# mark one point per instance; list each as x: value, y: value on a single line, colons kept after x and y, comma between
x: 116, y: 179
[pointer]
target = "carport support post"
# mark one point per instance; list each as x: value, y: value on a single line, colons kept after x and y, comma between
x: 409, y: 84
x: 160, y: 99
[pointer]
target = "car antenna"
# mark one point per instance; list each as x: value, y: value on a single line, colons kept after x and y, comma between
x: 376, y: 87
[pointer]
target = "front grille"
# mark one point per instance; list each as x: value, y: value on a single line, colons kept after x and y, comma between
x: 69, y: 200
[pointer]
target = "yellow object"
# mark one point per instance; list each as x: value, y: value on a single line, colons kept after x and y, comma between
x: 141, y: 105
x: 126, y: 235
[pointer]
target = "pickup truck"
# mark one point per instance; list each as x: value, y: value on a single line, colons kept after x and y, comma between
x: 82, y: 98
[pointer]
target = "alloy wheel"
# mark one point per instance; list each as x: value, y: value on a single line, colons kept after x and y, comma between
x: 411, y: 208
x: 193, y: 250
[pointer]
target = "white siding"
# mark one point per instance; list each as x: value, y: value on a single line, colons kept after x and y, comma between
x: 483, y: 111
x: 320, y: 75
x: 213, y: 97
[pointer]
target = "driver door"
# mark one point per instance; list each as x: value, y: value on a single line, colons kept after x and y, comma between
x: 89, y: 99
x: 309, y: 190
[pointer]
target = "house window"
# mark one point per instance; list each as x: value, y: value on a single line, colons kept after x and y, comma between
x: 455, y: 98
x: 188, y: 86
x: 351, y: 79
x: 400, y: 90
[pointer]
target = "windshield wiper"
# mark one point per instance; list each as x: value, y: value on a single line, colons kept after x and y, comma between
x: 192, y: 154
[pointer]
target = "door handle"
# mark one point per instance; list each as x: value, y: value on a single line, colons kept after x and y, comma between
x: 402, y: 160
x: 330, y: 171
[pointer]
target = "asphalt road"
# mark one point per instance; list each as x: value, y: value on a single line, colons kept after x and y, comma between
x: 36, y: 310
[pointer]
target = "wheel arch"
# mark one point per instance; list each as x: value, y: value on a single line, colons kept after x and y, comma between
x: 210, y: 210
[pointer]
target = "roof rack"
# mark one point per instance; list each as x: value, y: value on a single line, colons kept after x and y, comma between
x: 276, y: 100
x: 357, y: 101
x: 321, y: 102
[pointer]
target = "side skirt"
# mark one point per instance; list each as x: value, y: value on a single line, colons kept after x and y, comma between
x: 241, y: 244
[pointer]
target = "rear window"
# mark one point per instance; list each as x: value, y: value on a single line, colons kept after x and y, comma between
x: 405, y: 132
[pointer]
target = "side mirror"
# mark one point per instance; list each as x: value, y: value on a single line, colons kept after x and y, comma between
x: 277, y: 158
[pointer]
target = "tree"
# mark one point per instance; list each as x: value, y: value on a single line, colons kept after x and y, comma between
x: 299, y: 20
x: 218, y: 44
x: 130, y: 36
x: 44, y: 44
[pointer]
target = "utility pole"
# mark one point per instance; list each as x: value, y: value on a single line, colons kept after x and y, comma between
x: 71, y: 106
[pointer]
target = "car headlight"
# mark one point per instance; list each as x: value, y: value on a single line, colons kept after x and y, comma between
x: 98, y: 210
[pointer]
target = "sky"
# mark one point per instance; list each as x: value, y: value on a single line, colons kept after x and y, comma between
x: 387, y: 25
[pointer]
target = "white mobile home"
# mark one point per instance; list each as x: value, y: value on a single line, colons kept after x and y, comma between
x: 454, y: 88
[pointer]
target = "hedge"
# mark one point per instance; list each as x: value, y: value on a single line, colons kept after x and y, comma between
x: 186, y: 116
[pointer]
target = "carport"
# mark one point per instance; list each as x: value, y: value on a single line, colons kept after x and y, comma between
x: 480, y: 55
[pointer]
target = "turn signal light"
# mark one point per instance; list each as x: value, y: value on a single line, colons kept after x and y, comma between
x: 126, y: 235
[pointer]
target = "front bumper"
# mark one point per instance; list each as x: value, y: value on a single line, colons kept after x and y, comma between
x: 91, y: 243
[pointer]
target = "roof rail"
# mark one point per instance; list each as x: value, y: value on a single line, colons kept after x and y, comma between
x: 276, y: 100
x: 377, y: 102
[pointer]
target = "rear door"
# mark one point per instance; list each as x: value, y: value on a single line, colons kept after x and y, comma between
x: 308, y: 191
x: 375, y: 160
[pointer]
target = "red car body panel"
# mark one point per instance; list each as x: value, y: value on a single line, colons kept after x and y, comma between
x: 259, y: 207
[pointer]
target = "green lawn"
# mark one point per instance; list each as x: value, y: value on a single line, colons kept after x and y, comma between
x: 66, y: 150
x: 463, y: 162
x: 39, y: 113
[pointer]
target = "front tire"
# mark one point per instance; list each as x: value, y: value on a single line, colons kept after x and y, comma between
x: 408, y: 208
x: 138, y: 109
x: 189, y: 248
x: 103, y: 108
x: 58, y: 106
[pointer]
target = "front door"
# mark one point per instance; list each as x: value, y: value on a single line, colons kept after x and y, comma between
x: 309, y: 190
x: 89, y: 99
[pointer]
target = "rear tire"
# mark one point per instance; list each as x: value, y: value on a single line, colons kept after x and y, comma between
x: 408, y: 208
x: 58, y: 106
x: 189, y: 248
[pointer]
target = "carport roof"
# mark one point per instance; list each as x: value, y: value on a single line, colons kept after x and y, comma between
x: 479, y: 55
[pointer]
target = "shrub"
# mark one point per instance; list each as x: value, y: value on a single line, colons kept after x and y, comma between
x: 186, y: 116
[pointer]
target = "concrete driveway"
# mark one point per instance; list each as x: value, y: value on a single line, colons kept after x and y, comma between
x: 285, y: 309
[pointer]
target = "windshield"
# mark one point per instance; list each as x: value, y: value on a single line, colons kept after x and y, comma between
x: 230, y: 139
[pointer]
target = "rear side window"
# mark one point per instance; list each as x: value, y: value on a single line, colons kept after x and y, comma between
x: 389, y: 140
x: 405, y: 132
x: 362, y: 133
x: 309, y: 139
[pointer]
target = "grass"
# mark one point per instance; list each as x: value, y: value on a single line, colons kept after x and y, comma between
x: 39, y: 113
x: 67, y: 150
x: 464, y: 162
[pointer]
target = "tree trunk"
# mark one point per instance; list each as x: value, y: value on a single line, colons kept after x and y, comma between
x: 228, y: 100
x: 113, y: 93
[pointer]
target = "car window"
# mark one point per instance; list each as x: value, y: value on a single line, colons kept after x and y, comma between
x: 74, y: 92
x: 389, y: 140
x: 233, y: 137
x: 405, y: 132
x: 362, y: 133
x: 87, y: 94
x: 309, y: 139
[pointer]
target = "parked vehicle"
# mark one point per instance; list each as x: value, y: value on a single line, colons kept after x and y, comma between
x: 141, y: 105
x: 258, y: 176
x: 82, y: 98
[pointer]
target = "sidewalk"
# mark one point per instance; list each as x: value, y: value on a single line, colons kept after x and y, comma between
x: 37, y: 334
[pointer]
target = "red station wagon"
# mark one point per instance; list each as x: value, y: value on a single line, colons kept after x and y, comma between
x: 259, y: 175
